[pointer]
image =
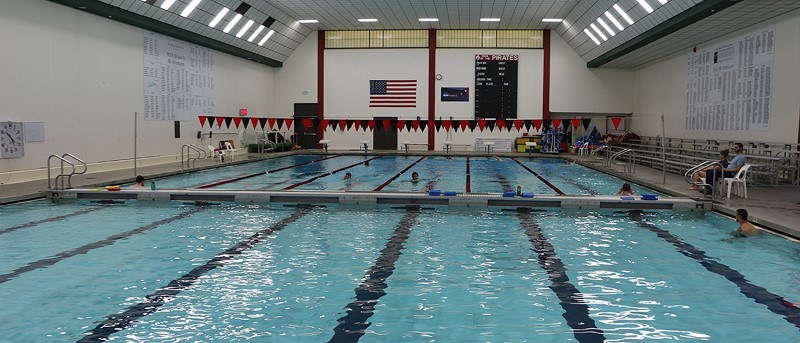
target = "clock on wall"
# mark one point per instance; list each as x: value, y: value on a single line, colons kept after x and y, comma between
x: 11, y: 142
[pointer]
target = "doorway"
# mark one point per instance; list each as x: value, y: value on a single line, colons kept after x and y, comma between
x: 386, y: 137
x: 306, y: 138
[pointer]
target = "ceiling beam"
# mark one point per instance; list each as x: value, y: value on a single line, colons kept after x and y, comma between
x: 130, y: 18
x: 694, y: 14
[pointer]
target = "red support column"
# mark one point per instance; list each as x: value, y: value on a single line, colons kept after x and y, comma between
x: 431, y: 87
x: 320, y: 84
x: 546, y: 78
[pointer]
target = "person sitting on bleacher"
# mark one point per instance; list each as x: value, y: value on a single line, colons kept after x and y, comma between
x: 733, y: 168
x: 723, y: 160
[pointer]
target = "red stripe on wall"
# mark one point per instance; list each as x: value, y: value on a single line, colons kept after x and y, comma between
x: 431, y: 86
x: 546, y: 78
x: 320, y: 84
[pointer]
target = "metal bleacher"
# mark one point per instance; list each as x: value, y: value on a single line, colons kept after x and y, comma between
x: 772, y: 163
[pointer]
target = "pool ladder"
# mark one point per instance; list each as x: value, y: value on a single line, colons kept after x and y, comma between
x: 702, y: 183
x: 628, y: 167
x: 64, y: 159
x: 187, y: 159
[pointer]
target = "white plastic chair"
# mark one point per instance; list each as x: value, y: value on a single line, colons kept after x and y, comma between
x: 217, y: 153
x: 740, y: 180
x: 230, y: 151
x: 584, y: 149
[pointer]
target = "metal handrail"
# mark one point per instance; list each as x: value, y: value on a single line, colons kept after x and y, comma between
x: 262, y: 145
x: 201, y: 153
x: 60, y: 175
x: 688, y: 175
x: 702, y: 183
x: 69, y: 176
x: 631, y: 161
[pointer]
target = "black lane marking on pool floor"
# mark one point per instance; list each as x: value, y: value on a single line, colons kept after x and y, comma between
x: 581, y: 186
x: 468, y: 188
x: 47, y: 262
x: 773, y: 302
x: 330, y: 173
x: 222, y: 182
x: 377, y: 189
x: 553, y: 187
x: 351, y: 327
x: 503, y: 182
x: 37, y: 222
x: 576, y: 312
x: 120, y: 321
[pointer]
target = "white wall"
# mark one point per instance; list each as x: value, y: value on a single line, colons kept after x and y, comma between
x: 81, y: 75
x: 296, y: 81
x: 575, y: 88
x: 660, y: 88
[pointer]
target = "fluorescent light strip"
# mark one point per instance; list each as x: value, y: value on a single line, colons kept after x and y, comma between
x: 308, y: 21
x: 490, y: 19
x: 232, y: 23
x: 189, y: 8
x: 244, y: 28
x: 255, y: 34
x: 552, y: 20
x: 264, y: 40
x: 645, y: 5
x: 428, y: 19
x: 614, y: 21
x: 663, y: 2
x: 599, y: 33
x: 605, y: 26
x: 623, y: 14
x: 219, y: 17
x: 589, y: 33
x: 368, y: 20
x: 167, y: 4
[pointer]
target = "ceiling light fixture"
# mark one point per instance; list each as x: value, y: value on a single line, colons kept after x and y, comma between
x: 490, y: 19
x: 552, y: 20
x: 428, y: 19
x: 219, y: 17
x: 264, y: 40
x: 599, y: 33
x: 232, y: 23
x: 308, y: 21
x: 189, y: 8
x: 663, y: 2
x: 614, y: 21
x: 167, y: 4
x: 623, y: 14
x: 645, y: 5
x: 244, y: 28
x: 368, y: 20
x: 255, y: 34
x: 605, y: 26
x: 589, y: 33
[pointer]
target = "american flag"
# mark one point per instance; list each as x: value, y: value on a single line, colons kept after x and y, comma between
x: 392, y: 93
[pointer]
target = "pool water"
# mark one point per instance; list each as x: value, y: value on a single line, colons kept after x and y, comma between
x: 393, y: 174
x: 233, y: 272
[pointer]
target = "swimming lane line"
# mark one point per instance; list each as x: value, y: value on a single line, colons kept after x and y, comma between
x: 397, y: 175
x: 47, y: 262
x: 468, y: 188
x: 576, y: 312
x: 773, y: 302
x: 329, y: 173
x: 37, y: 222
x: 121, y: 321
x: 218, y: 183
x: 351, y: 327
x: 558, y: 191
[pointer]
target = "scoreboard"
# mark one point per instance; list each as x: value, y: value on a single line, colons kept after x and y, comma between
x: 496, y: 86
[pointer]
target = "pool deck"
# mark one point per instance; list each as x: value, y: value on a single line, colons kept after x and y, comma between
x: 771, y: 206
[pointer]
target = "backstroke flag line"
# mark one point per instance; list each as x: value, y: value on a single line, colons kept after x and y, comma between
x: 392, y: 93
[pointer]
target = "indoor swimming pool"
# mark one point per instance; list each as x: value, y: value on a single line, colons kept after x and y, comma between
x: 85, y: 271
x: 393, y: 174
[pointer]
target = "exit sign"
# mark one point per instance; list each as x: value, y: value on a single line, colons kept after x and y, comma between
x: 242, y: 111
